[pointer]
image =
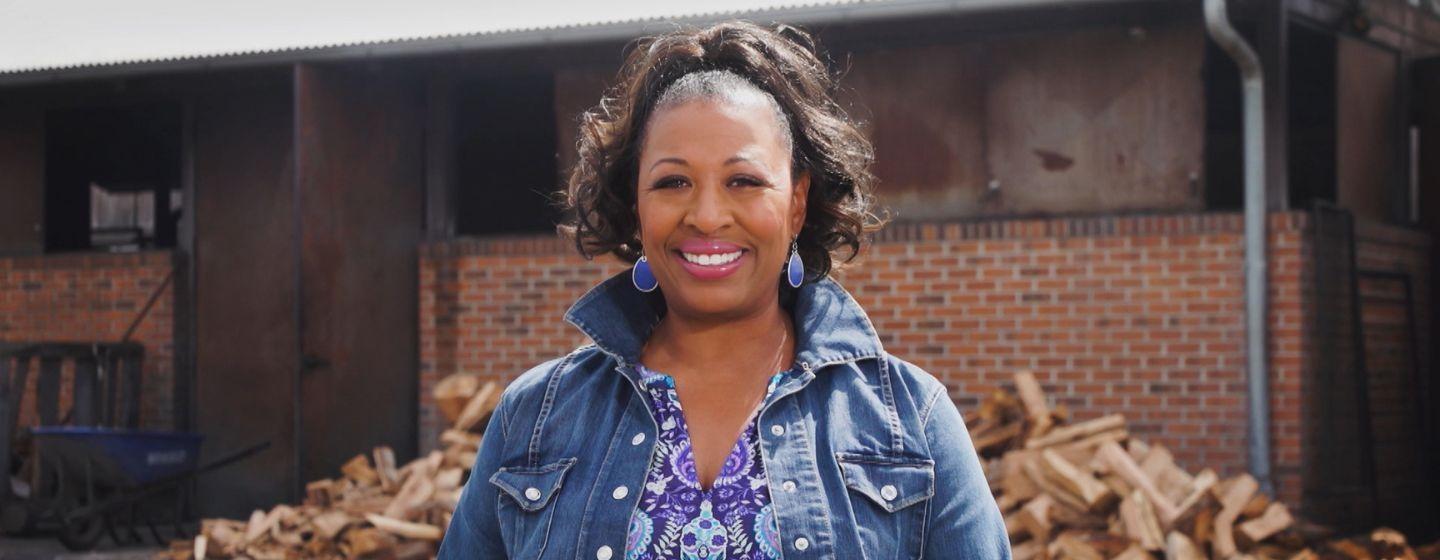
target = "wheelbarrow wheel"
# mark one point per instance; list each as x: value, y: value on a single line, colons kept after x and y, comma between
x: 83, y: 533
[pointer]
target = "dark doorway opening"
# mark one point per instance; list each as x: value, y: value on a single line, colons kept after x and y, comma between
x: 505, y: 154
x: 112, y: 177
x: 1313, y: 106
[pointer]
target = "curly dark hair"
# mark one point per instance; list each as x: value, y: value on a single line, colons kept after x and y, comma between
x: 785, y: 63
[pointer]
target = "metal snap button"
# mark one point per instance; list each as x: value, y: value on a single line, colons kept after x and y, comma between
x: 604, y: 553
x: 788, y: 486
x: 802, y: 543
x: 620, y: 492
x: 888, y: 492
x: 532, y: 493
x: 638, y: 439
x: 777, y: 430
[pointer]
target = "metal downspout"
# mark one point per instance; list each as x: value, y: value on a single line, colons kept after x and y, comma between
x: 1252, y: 76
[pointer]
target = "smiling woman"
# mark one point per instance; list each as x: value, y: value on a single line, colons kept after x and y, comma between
x: 736, y: 401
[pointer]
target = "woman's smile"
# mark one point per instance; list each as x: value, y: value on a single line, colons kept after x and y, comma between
x: 710, y: 259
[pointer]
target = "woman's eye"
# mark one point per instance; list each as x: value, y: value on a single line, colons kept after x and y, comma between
x: 669, y: 183
x: 745, y: 181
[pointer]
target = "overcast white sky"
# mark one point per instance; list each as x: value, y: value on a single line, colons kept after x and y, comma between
x: 55, y: 33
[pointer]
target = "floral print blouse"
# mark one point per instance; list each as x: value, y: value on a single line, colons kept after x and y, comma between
x: 676, y: 517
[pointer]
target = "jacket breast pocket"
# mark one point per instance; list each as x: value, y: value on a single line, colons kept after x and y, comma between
x: 889, y: 496
x: 525, y: 505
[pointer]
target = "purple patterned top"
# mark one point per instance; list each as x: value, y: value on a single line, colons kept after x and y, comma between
x: 676, y: 518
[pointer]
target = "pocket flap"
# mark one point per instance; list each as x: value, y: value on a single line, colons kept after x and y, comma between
x: 532, y: 487
x: 892, y: 482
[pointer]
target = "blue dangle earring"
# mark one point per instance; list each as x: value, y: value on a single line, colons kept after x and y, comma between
x: 794, y: 268
x: 642, y: 276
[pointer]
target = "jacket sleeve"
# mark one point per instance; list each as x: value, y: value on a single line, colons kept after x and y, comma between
x: 964, y: 521
x: 474, y: 530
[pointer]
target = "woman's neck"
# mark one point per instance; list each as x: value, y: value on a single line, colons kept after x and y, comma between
x: 732, y: 350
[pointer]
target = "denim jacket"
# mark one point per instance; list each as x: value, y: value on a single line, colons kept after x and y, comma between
x: 866, y: 454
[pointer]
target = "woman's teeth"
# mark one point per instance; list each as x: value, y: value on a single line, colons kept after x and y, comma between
x: 711, y: 260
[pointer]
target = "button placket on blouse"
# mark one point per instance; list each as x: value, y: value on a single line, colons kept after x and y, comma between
x: 640, y: 443
x: 778, y: 453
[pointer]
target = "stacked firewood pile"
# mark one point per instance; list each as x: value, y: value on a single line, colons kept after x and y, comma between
x: 1081, y: 491
x: 374, y: 509
x: 1088, y: 490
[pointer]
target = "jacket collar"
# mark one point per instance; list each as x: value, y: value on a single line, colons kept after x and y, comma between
x: 830, y: 325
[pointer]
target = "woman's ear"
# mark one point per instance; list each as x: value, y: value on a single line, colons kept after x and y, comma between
x: 799, y: 195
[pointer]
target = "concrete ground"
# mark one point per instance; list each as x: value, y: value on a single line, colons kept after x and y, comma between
x: 48, y: 548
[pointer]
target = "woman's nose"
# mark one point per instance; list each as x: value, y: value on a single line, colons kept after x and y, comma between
x: 709, y: 208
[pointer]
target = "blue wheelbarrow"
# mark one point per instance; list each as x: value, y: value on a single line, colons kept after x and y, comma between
x: 91, y: 480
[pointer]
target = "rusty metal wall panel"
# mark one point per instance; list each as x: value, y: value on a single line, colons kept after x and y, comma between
x: 923, y: 108
x: 1097, y: 120
x: 1367, y: 154
x: 22, y: 178
x: 1104, y: 120
x: 245, y: 295
x: 361, y: 184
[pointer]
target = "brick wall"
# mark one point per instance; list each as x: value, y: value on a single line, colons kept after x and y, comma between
x: 85, y: 297
x: 1139, y: 314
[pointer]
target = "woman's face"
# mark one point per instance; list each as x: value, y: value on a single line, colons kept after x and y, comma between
x: 717, y: 206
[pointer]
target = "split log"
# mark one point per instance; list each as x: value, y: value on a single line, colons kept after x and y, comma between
x: 1035, y: 517
x: 479, y: 406
x: 385, y: 468
x: 1140, y: 522
x: 358, y: 469
x: 453, y: 393
x: 1078, y: 431
x: 1275, y: 519
x: 1090, y: 492
x: 1124, y: 466
x: 405, y: 528
x: 1180, y: 547
x: 1236, y: 494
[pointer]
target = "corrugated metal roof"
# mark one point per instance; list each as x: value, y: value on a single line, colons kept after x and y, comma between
x: 44, y: 39
x: 41, y: 35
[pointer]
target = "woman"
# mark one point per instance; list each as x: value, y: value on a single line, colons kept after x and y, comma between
x: 736, y: 401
